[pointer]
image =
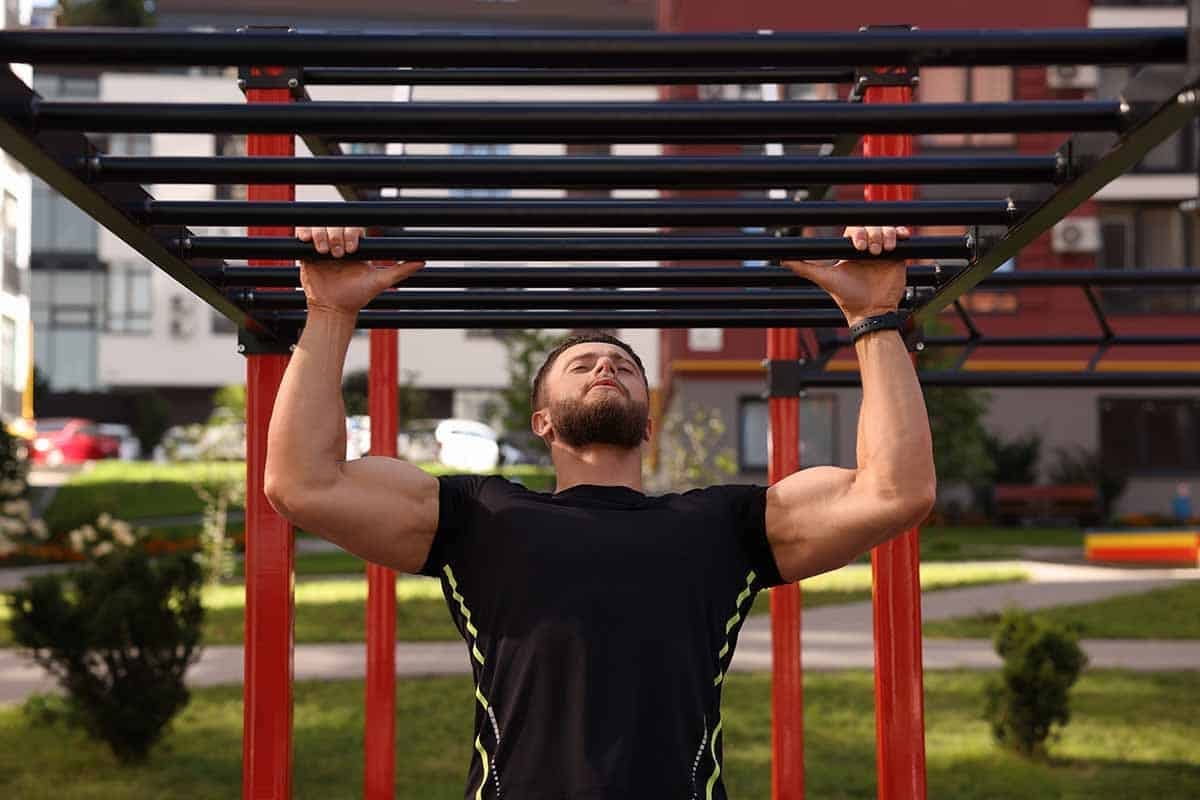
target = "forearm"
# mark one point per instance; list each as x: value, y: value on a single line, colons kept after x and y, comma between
x: 895, y: 448
x: 306, y: 439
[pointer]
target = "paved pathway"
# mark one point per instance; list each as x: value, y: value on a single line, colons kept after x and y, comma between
x: 832, y: 637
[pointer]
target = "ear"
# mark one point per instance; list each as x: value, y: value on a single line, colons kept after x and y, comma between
x: 541, y: 425
x: 649, y: 429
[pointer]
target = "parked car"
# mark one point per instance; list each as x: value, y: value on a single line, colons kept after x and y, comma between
x: 71, y: 440
x: 129, y: 447
x: 466, y: 444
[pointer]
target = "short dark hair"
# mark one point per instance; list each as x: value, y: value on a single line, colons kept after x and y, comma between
x: 571, y: 341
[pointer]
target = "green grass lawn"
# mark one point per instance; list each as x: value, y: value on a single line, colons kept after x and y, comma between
x: 134, y: 490
x: 852, y: 583
x: 980, y: 544
x: 333, y: 609
x: 1171, y: 613
x: 1130, y: 737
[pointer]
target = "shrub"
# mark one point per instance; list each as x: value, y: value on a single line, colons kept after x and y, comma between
x: 1078, y: 465
x: 1041, y: 663
x: 118, y: 634
x: 18, y: 529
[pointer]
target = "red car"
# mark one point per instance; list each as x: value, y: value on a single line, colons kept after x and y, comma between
x: 70, y: 441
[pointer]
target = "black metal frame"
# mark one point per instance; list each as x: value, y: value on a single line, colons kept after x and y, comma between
x: 1110, y: 136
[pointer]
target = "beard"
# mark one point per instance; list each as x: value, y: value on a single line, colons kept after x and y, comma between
x: 608, y: 420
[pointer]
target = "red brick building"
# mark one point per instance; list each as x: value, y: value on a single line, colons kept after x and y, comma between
x: 1135, y: 223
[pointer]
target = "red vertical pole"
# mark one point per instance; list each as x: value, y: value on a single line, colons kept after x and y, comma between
x: 380, y: 734
x: 896, y: 586
x: 267, y: 692
x: 787, y: 699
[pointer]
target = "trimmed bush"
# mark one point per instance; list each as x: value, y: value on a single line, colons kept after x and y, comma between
x: 118, y: 634
x: 1028, y: 704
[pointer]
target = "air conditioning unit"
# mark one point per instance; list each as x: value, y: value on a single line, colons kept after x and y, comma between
x: 1071, y: 76
x: 180, y: 317
x: 1076, y: 235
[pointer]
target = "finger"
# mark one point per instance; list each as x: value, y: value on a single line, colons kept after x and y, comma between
x: 352, y: 236
x: 304, y: 234
x: 321, y: 239
x: 875, y: 238
x: 337, y: 242
x: 858, y: 236
x: 393, y: 273
x: 903, y: 232
x: 889, y: 238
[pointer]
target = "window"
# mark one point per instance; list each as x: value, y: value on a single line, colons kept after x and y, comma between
x: 129, y: 297
x: 818, y: 432
x: 12, y: 13
x: 967, y: 85
x: 67, y: 305
x: 58, y: 225
x: 231, y: 145
x: 479, y: 149
x: 1148, y: 436
x: 8, y: 352
x: 13, y: 275
x: 1148, y: 236
x: 1176, y: 154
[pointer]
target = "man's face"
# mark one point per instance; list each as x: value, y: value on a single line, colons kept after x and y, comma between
x: 596, y: 395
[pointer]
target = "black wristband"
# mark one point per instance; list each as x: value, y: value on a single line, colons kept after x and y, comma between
x: 892, y: 320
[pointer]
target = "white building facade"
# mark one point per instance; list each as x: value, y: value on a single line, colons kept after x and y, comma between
x: 15, y: 223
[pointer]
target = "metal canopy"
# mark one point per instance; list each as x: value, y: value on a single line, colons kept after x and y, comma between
x: 1111, y: 134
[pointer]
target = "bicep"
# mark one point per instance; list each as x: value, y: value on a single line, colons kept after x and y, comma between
x: 822, y: 518
x: 381, y: 509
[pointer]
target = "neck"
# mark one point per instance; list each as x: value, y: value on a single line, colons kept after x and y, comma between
x: 598, y: 465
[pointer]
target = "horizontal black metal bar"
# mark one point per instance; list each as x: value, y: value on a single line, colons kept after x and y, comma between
x: 400, y: 76
x: 748, y: 172
x: 1100, y: 159
x: 674, y: 277
x: 49, y: 156
x: 586, y: 213
x: 658, y: 318
x: 1119, y: 340
x: 1012, y: 380
x: 878, y: 47
x: 552, y: 277
x: 575, y: 122
x: 1103, y: 278
x: 482, y: 299
x: 582, y: 248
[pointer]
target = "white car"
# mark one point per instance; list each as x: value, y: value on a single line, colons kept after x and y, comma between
x: 467, y: 445
x: 131, y: 448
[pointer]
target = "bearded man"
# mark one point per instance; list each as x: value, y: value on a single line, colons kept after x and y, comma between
x: 599, y: 620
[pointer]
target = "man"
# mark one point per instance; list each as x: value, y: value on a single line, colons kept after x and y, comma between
x: 599, y: 621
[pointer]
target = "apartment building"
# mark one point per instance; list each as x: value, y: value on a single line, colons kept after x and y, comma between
x: 111, y: 325
x: 15, y: 216
x: 1135, y: 223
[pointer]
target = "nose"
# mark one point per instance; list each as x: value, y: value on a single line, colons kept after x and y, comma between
x: 605, y: 364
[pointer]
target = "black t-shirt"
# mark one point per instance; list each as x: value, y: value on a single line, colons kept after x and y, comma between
x: 600, y: 623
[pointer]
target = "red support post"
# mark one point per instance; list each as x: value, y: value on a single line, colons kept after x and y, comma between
x: 380, y: 734
x: 267, y: 690
x: 787, y: 698
x: 896, y: 586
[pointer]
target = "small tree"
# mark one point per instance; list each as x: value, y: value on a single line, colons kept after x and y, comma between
x: 688, y: 445
x: 955, y: 419
x: 413, y: 402
x: 1077, y: 465
x: 118, y: 634
x: 1011, y: 461
x: 229, y: 404
x: 152, y: 418
x: 526, y: 351
x: 17, y: 527
x: 219, y: 491
x: 1028, y: 703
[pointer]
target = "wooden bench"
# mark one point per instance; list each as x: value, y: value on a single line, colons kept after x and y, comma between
x: 1019, y: 502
